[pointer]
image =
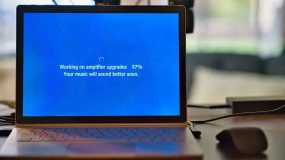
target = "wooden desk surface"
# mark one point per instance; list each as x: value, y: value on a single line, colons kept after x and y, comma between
x: 273, y: 126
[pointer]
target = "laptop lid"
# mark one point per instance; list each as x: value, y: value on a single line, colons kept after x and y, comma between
x: 115, y: 64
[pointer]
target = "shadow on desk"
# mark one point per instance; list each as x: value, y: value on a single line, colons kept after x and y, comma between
x: 230, y: 153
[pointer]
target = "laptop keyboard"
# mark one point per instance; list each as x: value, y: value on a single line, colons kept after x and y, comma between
x: 101, y: 135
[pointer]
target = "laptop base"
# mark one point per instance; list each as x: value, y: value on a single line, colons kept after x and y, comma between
x: 140, y: 149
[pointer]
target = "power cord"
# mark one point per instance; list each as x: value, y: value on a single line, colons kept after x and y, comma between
x: 7, y: 120
x: 237, y: 114
x: 197, y: 134
x: 219, y: 106
x: 55, y: 3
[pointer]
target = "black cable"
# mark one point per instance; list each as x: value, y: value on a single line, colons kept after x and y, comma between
x: 6, y: 117
x: 220, y: 106
x: 239, y: 114
x: 196, y: 133
x: 7, y: 120
x: 55, y: 3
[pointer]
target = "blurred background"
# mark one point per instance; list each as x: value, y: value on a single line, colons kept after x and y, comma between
x: 236, y: 49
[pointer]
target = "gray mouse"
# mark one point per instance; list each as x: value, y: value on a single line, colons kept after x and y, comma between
x: 247, y: 140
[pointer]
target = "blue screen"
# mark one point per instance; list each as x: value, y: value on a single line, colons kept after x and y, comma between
x: 101, y: 64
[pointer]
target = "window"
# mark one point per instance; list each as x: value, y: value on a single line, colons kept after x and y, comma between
x: 239, y: 26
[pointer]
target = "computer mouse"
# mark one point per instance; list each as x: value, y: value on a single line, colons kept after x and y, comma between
x: 247, y: 140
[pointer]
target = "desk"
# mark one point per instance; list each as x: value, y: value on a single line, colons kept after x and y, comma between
x: 273, y: 126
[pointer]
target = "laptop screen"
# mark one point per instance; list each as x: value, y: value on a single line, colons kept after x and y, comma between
x: 101, y: 64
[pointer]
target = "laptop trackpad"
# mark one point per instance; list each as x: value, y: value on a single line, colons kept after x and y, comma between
x: 101, y: 148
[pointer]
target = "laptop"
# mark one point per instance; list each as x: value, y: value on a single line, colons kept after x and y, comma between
x: 101, y: 82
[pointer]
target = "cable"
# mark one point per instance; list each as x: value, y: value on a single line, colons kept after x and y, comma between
x: 7, y: 120
x: 209, y: 106
x: 7, y: 117
x: 238, y: 114
x: 55, y: 3
x: 196, y: 133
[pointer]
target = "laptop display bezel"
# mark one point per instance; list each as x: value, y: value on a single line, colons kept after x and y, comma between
x: 20, y: 119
